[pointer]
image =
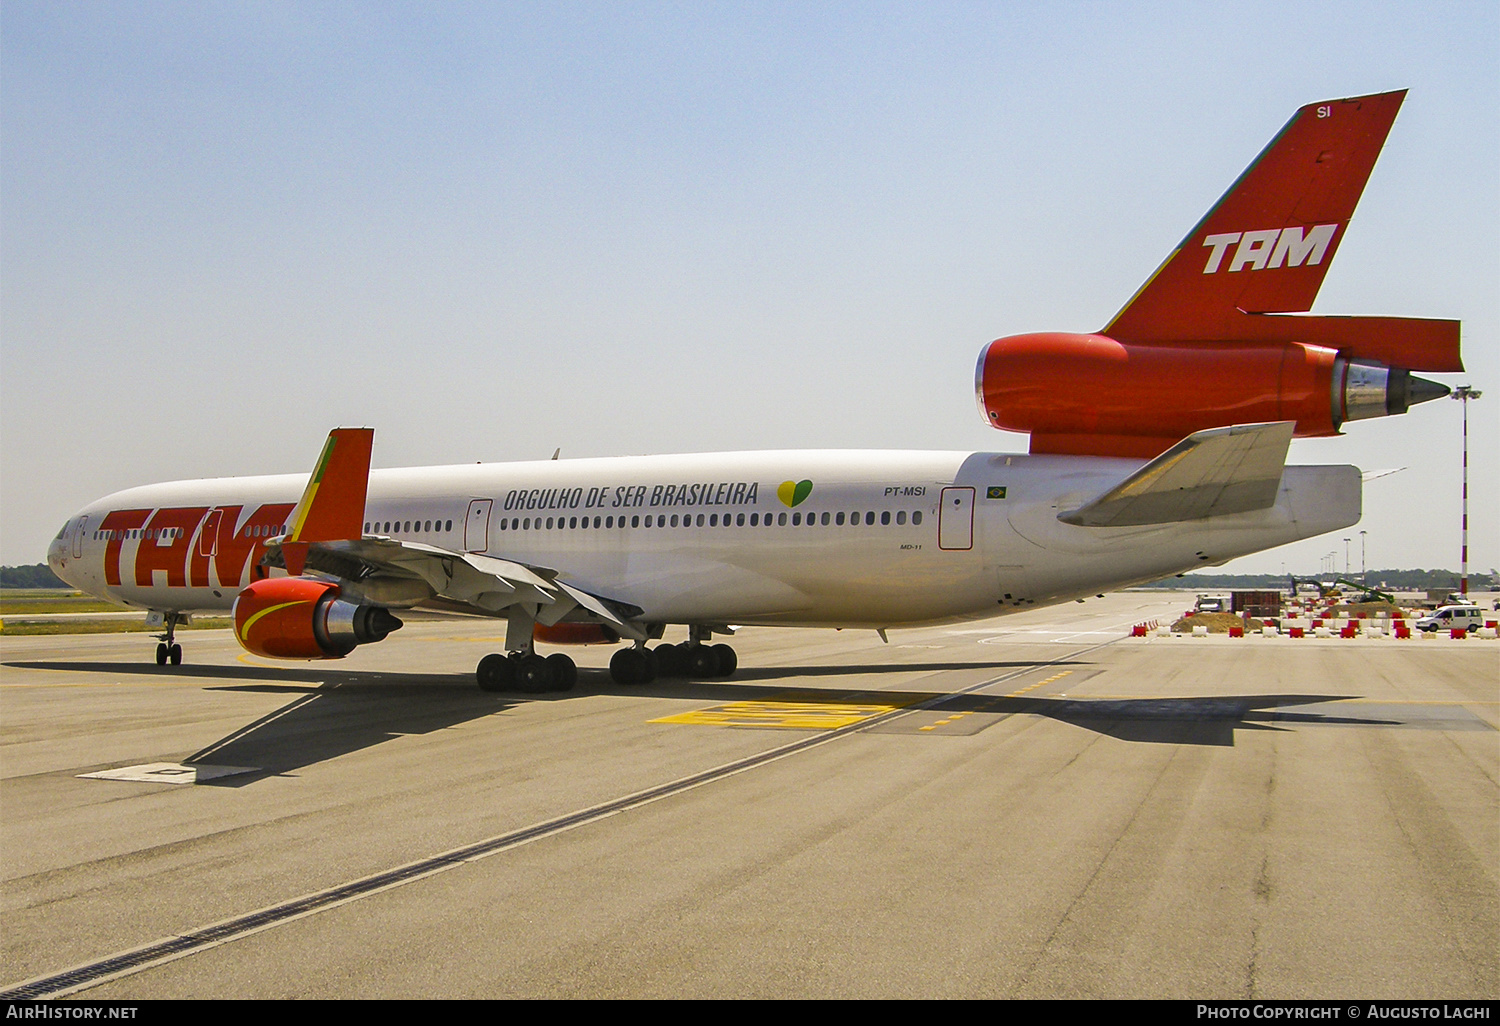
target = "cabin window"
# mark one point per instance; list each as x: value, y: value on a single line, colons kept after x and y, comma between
x: 885, y: 519
x: 901, y: 517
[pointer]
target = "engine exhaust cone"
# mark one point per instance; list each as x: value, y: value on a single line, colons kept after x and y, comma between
x: 1419, y: 390
x: 378, y: 622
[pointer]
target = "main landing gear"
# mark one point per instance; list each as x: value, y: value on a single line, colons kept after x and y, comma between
x: 690, y: 659
x: 527, y: 672
x: 167, y: 649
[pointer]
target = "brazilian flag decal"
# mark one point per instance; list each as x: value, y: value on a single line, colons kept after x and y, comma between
x: 995, y: 493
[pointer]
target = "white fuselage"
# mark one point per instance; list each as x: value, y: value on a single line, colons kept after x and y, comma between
x: 878, y: 538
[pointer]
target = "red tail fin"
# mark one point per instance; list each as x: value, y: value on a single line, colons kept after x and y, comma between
x: 1266, y: 245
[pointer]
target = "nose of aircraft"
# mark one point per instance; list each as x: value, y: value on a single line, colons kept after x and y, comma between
x: 57, y: 552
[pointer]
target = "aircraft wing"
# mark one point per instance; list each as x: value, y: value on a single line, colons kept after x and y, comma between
x: 398, y: 573
x: 326, y: 538
x: 1208, y: 474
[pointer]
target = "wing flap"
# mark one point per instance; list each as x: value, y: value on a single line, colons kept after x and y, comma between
x: 1208, y: 474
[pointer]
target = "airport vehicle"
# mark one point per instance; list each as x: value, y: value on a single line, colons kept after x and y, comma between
x: 1156, y: 445
x: 1458, y: 617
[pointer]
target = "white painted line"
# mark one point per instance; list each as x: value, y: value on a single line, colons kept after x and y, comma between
x: 169, y: 773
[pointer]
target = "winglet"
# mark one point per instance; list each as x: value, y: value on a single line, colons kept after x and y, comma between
x: 333, y: 506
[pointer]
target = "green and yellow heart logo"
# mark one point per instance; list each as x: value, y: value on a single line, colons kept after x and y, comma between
x: 792, y: 493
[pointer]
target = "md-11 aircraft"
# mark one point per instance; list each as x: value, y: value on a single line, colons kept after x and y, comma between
x: 1157, y: 444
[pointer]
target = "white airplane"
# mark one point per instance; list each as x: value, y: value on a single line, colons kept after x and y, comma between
x: 1157, y: 445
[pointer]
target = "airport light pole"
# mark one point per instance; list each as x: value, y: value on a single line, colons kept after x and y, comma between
x: 1364, y: 571
x: 1463, y: 393
x: 1346, y: 557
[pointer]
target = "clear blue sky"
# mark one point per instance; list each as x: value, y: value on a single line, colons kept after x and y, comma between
x: 492, y: 230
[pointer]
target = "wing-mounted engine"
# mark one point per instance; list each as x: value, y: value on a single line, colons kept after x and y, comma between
x: 304, y: 618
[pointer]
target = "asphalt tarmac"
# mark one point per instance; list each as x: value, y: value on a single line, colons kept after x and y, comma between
x: 1037, y: 806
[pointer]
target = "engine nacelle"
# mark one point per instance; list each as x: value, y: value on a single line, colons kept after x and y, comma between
x: 576, y: 634
x: 302, y: 618
x: 1092, y: 394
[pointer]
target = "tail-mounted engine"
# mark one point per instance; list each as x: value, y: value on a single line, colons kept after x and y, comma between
x: 1095, y: 395
x: 302, y: 618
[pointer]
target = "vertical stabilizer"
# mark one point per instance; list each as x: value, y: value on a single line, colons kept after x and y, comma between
x: 1267, y: 244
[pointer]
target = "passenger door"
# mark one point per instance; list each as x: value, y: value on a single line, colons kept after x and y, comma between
x: 956, y: 519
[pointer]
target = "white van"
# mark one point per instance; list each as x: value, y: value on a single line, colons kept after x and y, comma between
x: 1466, y: 618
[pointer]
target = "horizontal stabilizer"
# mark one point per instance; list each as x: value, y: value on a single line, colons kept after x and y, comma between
x: 1208, y: 474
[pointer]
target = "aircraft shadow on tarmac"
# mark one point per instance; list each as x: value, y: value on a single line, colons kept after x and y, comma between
x: 337, y: 712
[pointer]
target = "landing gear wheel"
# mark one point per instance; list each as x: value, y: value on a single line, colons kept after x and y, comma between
x: 533, y: 674
x: 161, y: 653
x: 496, y: 673
x: 174, y: 654
x: 564, y: 672
x: 633, y: 666
x: 701, y: 661
x: 728, y: 661
x: 622, y: 666
x: 671, y: 660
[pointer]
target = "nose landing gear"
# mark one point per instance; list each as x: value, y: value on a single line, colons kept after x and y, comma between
x: 167, y: 649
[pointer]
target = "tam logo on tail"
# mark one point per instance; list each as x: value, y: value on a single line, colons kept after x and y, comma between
x: 1283, y: 246
x: 1201, y: 346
